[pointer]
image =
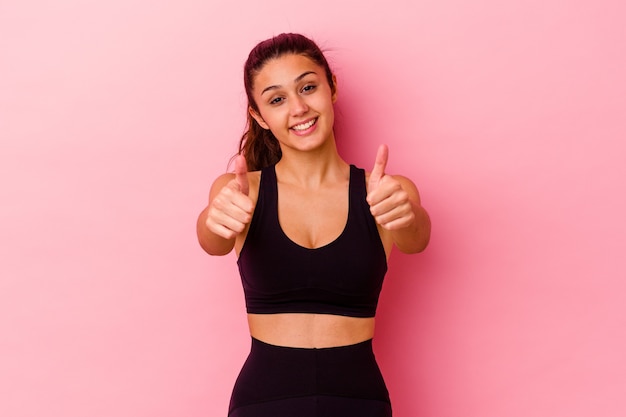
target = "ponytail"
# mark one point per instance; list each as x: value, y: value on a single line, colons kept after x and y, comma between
x: 259, y: 146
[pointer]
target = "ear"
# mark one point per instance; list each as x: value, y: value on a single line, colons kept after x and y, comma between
x: 333, y: 89
x: 256, y: 116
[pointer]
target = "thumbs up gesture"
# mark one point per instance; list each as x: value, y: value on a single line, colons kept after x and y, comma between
x: 230, y: 209
x: 389, y: 201
x: 241, y: 175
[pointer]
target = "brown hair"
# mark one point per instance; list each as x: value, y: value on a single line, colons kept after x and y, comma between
x: 258, y: 145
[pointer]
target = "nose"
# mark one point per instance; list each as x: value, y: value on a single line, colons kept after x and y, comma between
x: 298, y: 106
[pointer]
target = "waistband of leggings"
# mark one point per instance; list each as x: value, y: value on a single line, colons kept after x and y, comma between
x: 359, y: 345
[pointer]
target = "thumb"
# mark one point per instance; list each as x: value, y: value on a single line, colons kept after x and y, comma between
x: 379, y: 166
x: 241, y: 174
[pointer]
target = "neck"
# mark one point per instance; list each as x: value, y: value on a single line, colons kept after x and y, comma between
x: 312, y: 168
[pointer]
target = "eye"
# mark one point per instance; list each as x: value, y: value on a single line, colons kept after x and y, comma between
x: 308, y: 88
x: 276, y: 100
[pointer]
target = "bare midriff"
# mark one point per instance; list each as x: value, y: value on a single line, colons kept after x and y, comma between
x: 306, y: 330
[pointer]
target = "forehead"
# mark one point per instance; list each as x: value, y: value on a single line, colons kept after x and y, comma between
x: 282, y: 71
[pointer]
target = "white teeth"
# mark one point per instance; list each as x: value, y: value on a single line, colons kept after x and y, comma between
x: 305, y: 126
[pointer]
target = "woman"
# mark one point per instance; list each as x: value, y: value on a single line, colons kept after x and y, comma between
x: 312, y: 235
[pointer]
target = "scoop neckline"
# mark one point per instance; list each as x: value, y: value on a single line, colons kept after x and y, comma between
x: 345, y: 227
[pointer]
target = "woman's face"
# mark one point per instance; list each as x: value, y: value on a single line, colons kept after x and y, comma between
x: 295, y: 102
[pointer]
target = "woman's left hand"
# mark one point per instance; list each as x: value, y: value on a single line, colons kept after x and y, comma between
x: 390, y: 203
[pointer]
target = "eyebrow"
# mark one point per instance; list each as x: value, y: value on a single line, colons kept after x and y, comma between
x: 298, y: 78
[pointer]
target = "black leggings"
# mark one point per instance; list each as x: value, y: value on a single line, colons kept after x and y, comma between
x: 281, y: 381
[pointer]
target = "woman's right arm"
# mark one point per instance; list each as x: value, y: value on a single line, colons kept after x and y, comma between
x: 228, y: 213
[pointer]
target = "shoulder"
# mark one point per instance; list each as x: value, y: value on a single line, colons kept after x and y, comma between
x: 254, y: 178
x: 221, y: 181
x: 407, y: 185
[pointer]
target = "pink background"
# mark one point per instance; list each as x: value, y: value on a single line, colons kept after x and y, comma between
x: 116, y: 116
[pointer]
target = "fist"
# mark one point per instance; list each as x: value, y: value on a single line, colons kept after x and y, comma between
x: 231, y: 209
x: 389, y: 202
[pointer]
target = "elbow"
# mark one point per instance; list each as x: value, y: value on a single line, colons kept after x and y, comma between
x: 214, y: 250
x: 415, y: 247
x: 214, y: 245
x: 419, y: 239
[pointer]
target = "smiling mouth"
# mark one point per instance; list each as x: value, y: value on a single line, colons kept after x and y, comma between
x: 305, y: 126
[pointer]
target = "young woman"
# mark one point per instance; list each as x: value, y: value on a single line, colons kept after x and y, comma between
x: 313, y: 235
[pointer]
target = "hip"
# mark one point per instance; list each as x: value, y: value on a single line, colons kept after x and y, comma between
x: 310, y: 380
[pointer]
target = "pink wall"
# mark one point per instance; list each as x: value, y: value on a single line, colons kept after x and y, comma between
x: 116, y: 116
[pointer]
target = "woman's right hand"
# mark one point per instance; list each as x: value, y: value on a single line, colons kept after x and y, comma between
x: 230, y: 210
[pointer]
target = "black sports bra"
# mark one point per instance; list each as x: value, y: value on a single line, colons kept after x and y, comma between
x: 343, y: 277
